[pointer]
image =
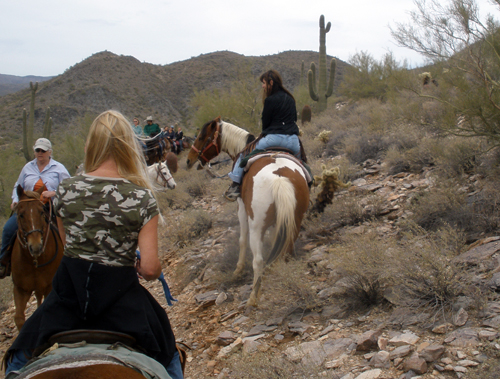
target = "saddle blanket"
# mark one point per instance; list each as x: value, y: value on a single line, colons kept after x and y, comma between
x: 272, y: 154
x: 61, y: 356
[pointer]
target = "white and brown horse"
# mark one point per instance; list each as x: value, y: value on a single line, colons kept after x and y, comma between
x: 274, y: 196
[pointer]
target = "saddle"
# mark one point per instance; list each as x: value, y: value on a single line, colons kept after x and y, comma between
x: 82, y: 337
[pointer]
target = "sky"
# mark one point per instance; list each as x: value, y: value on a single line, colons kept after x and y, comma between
x: 44, y: 38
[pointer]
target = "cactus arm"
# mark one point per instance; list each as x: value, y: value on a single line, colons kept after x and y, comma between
x: 26, y: 150
x: 311, y: 78
x: 333, y: 66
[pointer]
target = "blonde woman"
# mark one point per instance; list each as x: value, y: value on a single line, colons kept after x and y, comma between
x: 104, y: 215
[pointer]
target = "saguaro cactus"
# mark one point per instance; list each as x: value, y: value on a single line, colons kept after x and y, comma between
x: 28, y: 127
x: 323, y: 92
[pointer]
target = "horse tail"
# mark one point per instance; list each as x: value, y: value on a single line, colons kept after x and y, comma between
x: 283, y: 194
x: 171, y: 160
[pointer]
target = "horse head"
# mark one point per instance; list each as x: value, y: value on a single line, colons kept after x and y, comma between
x: 160, y: 175
x: 31, y: 220
x: 207, y: 144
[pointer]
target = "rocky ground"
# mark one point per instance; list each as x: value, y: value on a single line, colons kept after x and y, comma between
x: 385, y: 342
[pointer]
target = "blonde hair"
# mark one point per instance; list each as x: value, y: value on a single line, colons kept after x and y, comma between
x: 111, y: 135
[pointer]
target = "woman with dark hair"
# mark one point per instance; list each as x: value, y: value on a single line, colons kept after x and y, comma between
x: 279, y: 125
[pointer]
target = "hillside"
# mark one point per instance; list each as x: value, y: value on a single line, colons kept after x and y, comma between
x: 106, y: 80
x: 12, y: 83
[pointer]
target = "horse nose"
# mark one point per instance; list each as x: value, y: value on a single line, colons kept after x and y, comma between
x: 187, y: 162
x: 35, y: 249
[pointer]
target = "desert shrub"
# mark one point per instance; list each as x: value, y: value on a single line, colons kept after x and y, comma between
x: 361, y: 146
x: 194, y: 224
x: 363, y: 263
x: 425, y: 270
x: 447, y: 204
x: 6, y: 294
x: 459, y: 156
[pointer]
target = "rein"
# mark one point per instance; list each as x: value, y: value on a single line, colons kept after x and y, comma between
x: 23, y: 237
x: 211, y: 141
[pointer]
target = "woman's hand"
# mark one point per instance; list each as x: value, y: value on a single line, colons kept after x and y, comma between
x: 48, y: 194
x: 13, y: 205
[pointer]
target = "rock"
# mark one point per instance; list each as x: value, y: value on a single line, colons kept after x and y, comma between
x: 336, y: 363
x: 432, y: 353
x: 368, y: 340
x: 493, y: 322
x: 467, y: 363
x: 404, y: 339
x: 225, y: 338
x: 415, y: 363
x: 460, y: 318
x: 382, y: 343
x: 489, y: 335
x: 401, y: 351
x: 464, y: 337
x: 221, y: 298
x: 442, y: 329
x: 371, y: 374
x: 274, y: 321
x: 259, y: 329
x: 337, y: 347
x: 225, y: 351
x: 381, y: 360
x: 299, y: 327
x: 250, y: 346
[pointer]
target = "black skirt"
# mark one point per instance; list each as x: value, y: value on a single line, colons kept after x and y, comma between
x: 88, y: 295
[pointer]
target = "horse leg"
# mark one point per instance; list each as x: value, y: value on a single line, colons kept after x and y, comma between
x: 242, y: 216
x: 21, y: 298
x: 256, y: 245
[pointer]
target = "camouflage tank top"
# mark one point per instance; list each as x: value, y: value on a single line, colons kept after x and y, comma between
x: 102, y: 218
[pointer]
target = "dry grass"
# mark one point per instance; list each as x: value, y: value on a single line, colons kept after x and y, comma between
x: 363, y: 269
x: 270, y: 365
x: 424, y: 268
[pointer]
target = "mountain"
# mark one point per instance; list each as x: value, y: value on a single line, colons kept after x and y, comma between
x: 12, y: 83
x: 109, y: 81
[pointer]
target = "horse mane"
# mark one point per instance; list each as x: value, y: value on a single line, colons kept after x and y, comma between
x: 233, y: 138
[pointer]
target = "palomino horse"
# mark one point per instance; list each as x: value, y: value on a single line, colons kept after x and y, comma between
x: 36, y: 253
x: 274, y: 196
x: 160, y: 176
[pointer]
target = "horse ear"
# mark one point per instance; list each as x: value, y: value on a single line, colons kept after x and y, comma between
x: 41, y: 189
x: 217, y: 119
x: 20, y: 190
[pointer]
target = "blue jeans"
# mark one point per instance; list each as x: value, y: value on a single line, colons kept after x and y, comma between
x: 9, y: 231
x: 290, y: 142
x: 19, y: 359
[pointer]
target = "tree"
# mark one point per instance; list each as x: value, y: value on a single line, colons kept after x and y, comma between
x: 365, y: 77
x: 465, y: 51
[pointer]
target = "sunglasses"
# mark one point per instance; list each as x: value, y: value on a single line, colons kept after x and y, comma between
x: 40, y: 151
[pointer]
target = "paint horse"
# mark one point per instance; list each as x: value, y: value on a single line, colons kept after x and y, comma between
x: 274, y: 196
x: 36, y: 253
x: 160, y: 176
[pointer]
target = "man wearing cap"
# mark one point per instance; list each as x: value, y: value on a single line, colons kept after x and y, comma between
x: 151, y: 129
x: 41, y: 171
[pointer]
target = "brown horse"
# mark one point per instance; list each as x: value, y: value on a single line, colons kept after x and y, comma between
x: 36, y: 253
x: 274, y: 196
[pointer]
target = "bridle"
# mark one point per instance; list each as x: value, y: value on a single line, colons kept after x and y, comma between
x: 22, y: 236
x: 159, y: 174
x: 209, y: 143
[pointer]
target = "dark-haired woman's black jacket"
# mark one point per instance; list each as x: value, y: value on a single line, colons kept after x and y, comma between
x: 279, y: 115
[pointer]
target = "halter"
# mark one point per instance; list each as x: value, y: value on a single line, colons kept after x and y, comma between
x: 159, y: 174
x: 22, y: 235
x: 208, y: 144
